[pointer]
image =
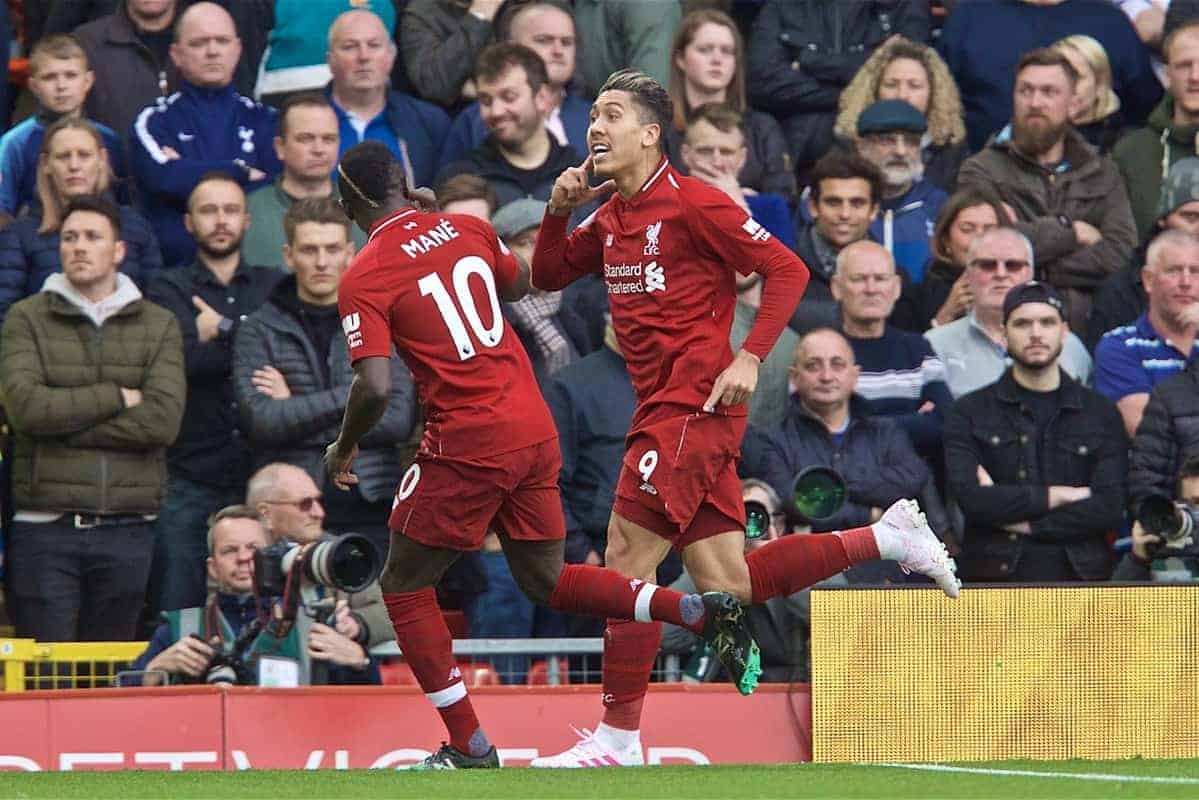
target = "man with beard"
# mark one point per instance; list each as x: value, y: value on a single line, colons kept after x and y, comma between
x: 1067, y: 199
x: 209, y: 463
x: 1037, y: 460
x: 889, y: 137
x: 519, y: 158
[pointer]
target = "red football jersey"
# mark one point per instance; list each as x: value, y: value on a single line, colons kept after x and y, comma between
x: 668, y: 256
x: 427, y: 284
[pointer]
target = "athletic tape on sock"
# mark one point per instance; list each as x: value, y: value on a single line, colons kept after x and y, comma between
x: 447, y: 696
x: 641, y: 606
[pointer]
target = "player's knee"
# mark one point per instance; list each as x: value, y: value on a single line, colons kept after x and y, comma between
x: 397, y: 580
x: 537, y: 581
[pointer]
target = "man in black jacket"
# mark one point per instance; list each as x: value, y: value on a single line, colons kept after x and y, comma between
x: 1036, y: 460
x: 828, y: 425
x: 1167, y: 437
x: 210, y: 461
x: 519, y: 158
x: 291, y: 375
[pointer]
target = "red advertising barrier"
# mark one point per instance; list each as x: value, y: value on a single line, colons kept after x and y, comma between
x: 236, y: 728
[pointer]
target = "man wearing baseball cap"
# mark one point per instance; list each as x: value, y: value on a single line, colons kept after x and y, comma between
x: 889, y: 134
x: 1036, y: 460
x: 1121, y: 298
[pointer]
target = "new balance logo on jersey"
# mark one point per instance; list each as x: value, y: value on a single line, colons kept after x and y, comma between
x: 351, y: 325
x: 655, y: 278
x: 651, y: 238
x: 609, y: 240
x: 755, y: 230
x: 436, y: 236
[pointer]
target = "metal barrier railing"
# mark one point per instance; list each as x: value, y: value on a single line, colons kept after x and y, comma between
x: 28, y: 664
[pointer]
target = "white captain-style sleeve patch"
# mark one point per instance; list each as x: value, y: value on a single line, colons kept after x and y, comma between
x: 755, y: 230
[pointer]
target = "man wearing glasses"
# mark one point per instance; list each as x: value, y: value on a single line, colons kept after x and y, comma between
x: 974, y: 348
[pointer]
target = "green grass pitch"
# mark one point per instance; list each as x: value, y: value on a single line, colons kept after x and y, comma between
x: 1052, y: 779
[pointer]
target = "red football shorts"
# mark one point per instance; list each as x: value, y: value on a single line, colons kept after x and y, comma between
x: 448, y: 503
x: 679, y: 478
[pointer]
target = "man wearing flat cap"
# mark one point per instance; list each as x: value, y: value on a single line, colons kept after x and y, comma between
x: 889, y: 134
x: 1069, y: 200
x: 1036, y: 460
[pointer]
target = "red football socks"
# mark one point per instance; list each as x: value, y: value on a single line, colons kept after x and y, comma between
x: 598, y: 592
x: 428, y: 648
x: 791, y: 563
x: 629, y: 652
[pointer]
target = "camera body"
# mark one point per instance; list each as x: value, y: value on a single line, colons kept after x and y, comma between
x: 1176, y: 523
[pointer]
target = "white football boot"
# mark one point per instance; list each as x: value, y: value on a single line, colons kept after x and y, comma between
x: 593, y: 751
x: 903, y: 535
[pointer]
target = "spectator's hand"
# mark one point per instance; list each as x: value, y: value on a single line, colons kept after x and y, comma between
x: 984, y: 477
x: 485, y: 9
x: 958, y: 303
x: 337, y: 465
x: 131, y: 397
x: 424, y: 199
x: 326, y: 644
x: 1189, y: 317
x: 270, y: 381
x: 876, y: 514
x: 1141, y: 541
x: 593, y: 559
x: 927, y: 407
x: 1086, y: 233
x: 171, y: 153
x: 1150, y: 24
x: 1064, y: 495
x: 571, y: 190
x: 345, y: 622
x: 188, y: 656
x: 208, y: 321
x: 1022, y: 528
x: 469, y: 91
x: 724, y: 181
x: 736, y: 383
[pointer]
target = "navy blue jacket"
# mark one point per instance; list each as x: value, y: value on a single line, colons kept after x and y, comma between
x: 27, y: 257
x: 209, y: 129
x: 873, y: 455
x: 986, y: 74
x: 904, y: 226
x: 20, y: 150
x: 419, y: 129
x: 592, y: 401
x: 468, y: 130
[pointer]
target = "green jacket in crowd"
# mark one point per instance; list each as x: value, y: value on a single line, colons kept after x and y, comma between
x: 62, y: 366
x: 1144, y: 161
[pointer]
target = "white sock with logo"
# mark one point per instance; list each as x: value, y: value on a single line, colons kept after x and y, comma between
x: 616, y: 738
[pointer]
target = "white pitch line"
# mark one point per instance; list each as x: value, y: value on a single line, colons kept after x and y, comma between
x: 1026, y: 773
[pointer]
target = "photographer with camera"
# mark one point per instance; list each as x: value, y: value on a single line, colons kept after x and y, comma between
x: 1164, y: 535
x: 781, y: 625
x: 290, y: 505
x: 237, y: 636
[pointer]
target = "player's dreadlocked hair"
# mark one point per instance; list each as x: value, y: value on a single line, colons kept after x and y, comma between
x: 369, y: 174
x: 653, y: 101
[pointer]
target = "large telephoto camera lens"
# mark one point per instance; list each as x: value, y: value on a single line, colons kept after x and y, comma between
x: 349, y: 563
x: 818, y: 493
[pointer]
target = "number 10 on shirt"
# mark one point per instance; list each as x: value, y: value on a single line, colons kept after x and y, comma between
x: 432, y: 285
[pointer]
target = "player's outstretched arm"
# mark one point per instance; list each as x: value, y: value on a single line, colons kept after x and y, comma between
x: 365, y: 406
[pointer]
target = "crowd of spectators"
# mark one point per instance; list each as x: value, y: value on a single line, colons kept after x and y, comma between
x: 997, y: 200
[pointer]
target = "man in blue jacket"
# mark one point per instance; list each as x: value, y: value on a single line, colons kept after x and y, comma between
x: 828, y: 425
x: 205, y: 126
x: 361, y: 55
x: 889, y: 137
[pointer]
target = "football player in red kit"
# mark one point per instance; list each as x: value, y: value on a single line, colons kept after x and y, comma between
x: 669, y: 247
x: 429, y: 285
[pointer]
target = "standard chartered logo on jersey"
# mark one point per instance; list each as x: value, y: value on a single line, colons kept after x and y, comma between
x: 638, y: 278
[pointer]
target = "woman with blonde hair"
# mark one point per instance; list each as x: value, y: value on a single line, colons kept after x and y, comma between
x: 707, y: 65
x: 73, y: 162
x: 901, y: 69
x: 1095, y: 109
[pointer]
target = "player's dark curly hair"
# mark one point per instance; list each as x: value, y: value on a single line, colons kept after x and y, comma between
x: 370, y: 175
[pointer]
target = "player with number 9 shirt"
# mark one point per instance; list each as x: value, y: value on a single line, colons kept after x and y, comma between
x: 668, y: 247
x: 429, y: 285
